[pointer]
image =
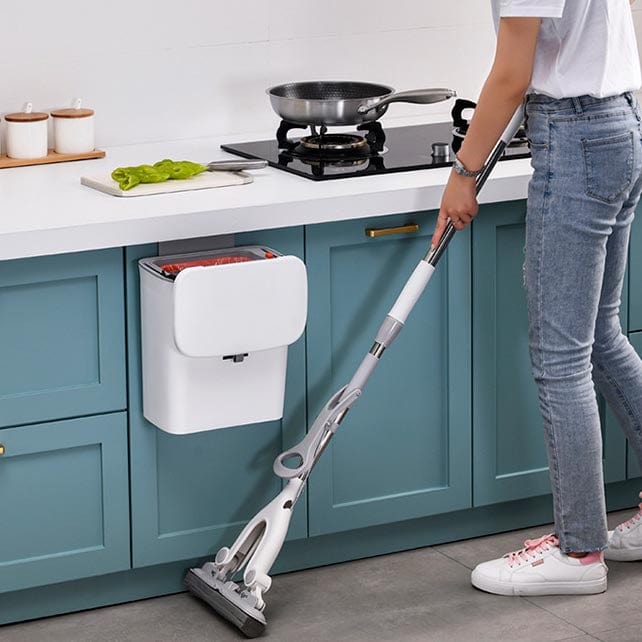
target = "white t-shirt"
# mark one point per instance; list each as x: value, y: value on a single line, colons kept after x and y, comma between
x: 585, y: 47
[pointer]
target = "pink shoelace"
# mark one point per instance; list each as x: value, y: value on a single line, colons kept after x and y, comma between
x: 634, y: 520
x: 531, y: 548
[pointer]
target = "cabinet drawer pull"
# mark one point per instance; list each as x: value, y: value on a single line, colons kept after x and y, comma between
x: 387, y: 231
x: 1, y: 449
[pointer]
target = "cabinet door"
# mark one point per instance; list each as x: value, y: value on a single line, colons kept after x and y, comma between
x: 62, y: 337
x: 635, y: 284
x: 192, y: 494
x: 508, y: 442
x: 404, y: 449
x: 633, y: 465
x: 65, y: 502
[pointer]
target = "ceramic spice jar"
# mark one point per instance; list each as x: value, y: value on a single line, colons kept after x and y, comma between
x: 26, y: 134
x: 73, y: 130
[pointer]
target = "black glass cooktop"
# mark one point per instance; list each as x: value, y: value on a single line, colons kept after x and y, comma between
x: 397, y: 149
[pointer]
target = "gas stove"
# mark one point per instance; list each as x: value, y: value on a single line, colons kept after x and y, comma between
x: 368, y: 150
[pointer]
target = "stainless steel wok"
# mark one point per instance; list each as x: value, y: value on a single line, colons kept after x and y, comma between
x: 342, y: 102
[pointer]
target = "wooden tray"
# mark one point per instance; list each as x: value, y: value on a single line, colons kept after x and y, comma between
x: 51, y: 157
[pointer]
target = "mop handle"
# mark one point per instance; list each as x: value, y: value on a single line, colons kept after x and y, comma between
x: 420, y: 278
x: 300, y: 460
x: 509, y: 133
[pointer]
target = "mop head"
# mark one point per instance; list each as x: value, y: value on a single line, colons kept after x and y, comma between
x: 226, y: 600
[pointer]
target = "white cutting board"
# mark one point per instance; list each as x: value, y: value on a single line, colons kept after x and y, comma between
x: 206, y: 180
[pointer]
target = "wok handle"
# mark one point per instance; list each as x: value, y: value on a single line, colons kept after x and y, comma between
x: 420, y: 96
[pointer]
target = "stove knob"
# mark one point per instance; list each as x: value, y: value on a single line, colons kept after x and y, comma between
x: 441, y: 151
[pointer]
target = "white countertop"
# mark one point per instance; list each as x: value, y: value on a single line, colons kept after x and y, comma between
x: 45, y: 210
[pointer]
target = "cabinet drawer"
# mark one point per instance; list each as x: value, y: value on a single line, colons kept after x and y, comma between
x: 64, y: 501
x: 62, y: 338
x: 635, y: 270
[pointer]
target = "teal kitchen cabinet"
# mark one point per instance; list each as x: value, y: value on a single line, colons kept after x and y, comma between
x: 192, y: 494
x: 65, y: 501
x: 509, y: 460
x: 633, y: 465
x: 635, y: 268
x: 62, y: 337
x: 404, y: 449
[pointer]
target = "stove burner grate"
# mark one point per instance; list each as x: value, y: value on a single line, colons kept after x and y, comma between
x: 371, y: 143
x: 334, y: 142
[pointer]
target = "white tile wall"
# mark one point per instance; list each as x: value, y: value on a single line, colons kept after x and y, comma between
x: 161, y: 70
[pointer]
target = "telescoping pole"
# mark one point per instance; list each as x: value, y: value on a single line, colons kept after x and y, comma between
x: 424, y: 271
x: 412, y: 291
x: 311, y: 448
x: 508, y: 135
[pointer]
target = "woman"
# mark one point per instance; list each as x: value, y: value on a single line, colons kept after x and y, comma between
x: 576, y: 61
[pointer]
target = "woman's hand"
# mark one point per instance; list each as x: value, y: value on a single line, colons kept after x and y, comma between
x: 458, y: 203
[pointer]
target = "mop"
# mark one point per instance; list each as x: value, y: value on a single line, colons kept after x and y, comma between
x: 260, y: 542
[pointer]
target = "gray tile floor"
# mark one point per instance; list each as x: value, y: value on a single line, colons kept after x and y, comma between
x: 421, y: 595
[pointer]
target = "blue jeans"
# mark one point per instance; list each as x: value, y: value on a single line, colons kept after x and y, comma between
x: 587, y: 161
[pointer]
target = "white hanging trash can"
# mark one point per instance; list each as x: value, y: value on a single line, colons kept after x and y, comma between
x: 215, y: 330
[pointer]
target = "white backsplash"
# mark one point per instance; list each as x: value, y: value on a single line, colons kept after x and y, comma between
x: 156, y: 70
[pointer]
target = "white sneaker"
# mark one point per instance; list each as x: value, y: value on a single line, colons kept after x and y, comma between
x: 542, y: 569
x: 625, y: 542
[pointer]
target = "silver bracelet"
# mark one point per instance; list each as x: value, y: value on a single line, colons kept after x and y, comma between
x: 460, y: 168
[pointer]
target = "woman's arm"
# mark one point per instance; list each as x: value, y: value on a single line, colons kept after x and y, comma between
x: 503, y: 91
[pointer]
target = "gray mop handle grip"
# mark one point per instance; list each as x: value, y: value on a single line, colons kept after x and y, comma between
x: 509, y: 133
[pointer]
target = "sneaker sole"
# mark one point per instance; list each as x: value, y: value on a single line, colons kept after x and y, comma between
x: 623, y: 555
x: 585, y: 587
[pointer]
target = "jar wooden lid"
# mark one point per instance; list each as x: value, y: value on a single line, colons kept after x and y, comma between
x: 70, y: 112
x: 26, y: 117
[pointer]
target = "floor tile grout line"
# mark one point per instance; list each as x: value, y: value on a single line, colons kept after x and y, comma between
x: 452, y: 559
x: 559, y: 617
x: 615, y: 628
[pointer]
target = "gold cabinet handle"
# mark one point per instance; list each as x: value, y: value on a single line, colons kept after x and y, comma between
x: 1, y: 449
x: 373, y: 233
